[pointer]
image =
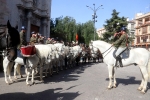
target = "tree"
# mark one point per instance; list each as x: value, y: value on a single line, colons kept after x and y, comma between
x: 113, y: 25
x: 66, y: 28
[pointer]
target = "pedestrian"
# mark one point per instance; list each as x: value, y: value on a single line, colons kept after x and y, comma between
x: 121, y: 44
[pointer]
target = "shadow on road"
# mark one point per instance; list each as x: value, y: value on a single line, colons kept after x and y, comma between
x: 130, y: 80
x: 65, y: 75
x: 68, y: 75
x: 44, y: 95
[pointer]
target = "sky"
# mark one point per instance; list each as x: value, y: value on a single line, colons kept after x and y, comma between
x: 78, y: 10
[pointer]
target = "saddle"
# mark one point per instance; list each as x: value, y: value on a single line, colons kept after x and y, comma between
x: 123, y: 55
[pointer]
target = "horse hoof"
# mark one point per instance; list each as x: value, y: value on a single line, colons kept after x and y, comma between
x: 42, y: 81
x: 139, y: 89
x: 143, y: 92
x: 114, y: 86
x: 15, y: 79
x: 33, y: 83
x: 28, y: 84
x: 109, y: 88
x: 8, y: 83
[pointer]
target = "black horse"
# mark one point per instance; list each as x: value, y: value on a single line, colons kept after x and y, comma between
x: 9, y: 40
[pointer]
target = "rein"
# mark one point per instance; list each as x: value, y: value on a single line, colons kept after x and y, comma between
x: 104, y: 51
x: 107, y: 49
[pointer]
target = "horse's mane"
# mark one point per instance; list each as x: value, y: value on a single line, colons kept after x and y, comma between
x: 14, y: 36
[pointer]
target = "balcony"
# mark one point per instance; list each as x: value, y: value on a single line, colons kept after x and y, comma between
x: 26, y: 4
x: 40, y: 12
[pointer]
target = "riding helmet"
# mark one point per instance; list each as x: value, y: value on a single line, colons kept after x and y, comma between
x: 23, y: 28
x: 123, y: 29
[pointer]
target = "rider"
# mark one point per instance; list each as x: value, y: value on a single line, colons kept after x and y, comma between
x: 33, y: 38
x: 41, y: 39
x: 121, y: 45
x: 23, y: 42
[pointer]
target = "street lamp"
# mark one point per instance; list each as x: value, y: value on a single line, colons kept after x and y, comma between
x: 94, y: 16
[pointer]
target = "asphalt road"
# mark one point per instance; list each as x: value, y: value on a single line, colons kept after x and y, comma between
x: 85, y: 82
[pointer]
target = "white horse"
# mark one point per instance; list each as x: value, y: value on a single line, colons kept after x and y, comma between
x: 32, y: 63
x: 138, y: 56
x: 61, y: 52
x: 43, y: 52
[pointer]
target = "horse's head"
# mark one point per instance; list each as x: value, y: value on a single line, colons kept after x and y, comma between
x: 13, y: 36
x: 9, y: 39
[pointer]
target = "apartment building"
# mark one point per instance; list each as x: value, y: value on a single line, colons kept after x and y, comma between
x: 142, y: 30
x: 100, y: 32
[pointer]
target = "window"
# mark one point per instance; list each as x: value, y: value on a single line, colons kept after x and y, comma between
x: 144, y: 30
x: 138, y: 40
x: 132, y: 26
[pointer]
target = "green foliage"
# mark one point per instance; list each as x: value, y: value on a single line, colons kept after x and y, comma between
x: 66, y: 28
x: 113, y: 25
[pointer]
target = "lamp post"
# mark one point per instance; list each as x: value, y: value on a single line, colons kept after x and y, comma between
x: 94, y: 16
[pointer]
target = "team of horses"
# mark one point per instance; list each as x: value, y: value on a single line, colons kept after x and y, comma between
x: 58, y: 56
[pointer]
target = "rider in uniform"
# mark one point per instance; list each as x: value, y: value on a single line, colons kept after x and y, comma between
x: 41, y: 39
x: 33, y: 39
x: 23, y: 42
x: 121, y: 45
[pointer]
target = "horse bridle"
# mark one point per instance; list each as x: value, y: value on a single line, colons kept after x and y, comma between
x: 4, y: 52
x: 104, y: 51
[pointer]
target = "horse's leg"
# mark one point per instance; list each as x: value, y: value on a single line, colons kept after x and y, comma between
x: 41, y: 72
x: 9, y: 71
x: 57, y: 70
x: 50, y: 69
x: 5, y: 67
x: 142, y: 82
x: 15, y: 67
x: 46, y: 65
x: 19, y: 71
x: 141, y: 85
x: 27, y: 78
x: 145, y: 76
x: 33, y: 72
x: 61, y: 64
x: 110, y: 70
x: 113, y: 74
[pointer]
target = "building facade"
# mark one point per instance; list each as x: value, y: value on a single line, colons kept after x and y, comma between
x: 100, y: 32
x: 142, y: 30
x: 131, y: 28
x: 33, y: 14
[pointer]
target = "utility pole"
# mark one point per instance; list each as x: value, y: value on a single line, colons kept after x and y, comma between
x: 94, y: 16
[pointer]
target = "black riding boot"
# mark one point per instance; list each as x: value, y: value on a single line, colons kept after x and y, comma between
x: 118, y: 58
x: 120, y: 61
x: 116, y: 64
